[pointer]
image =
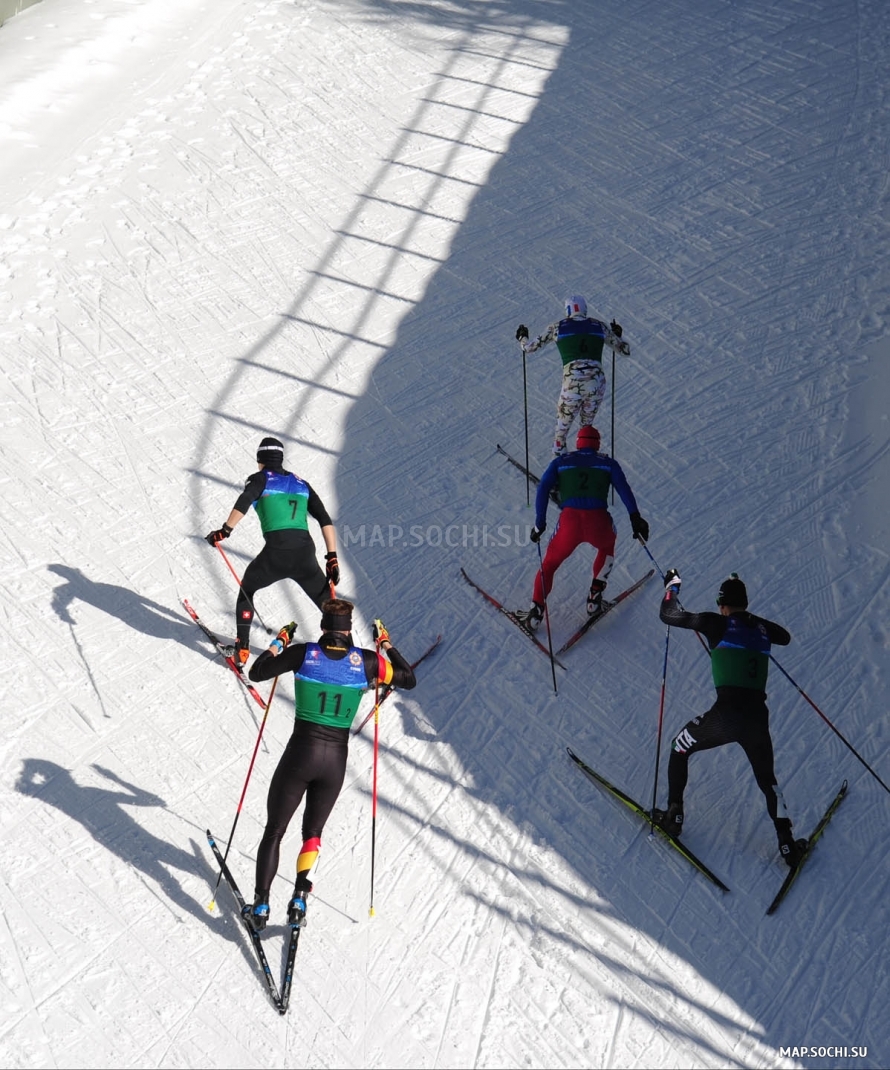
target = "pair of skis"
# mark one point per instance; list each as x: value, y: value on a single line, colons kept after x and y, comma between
x: 607, y: 607
x: 683, y: 850
x: 280, y: 1000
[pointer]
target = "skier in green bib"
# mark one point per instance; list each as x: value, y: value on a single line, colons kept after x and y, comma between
x: 330, y: 678
x: 283, y: 503
x: 739, y: 643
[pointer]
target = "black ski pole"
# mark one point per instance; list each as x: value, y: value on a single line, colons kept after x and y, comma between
x: 664, y: 671
x: 612, y: 433
x: 528, y: 481
x: 547, y: 620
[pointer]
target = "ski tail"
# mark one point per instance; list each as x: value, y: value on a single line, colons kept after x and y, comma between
x: 635, y: 807
x: 226, y: 654
x: 511, y: 617
x: 608, y: 606
x: 259, y: 951
x: 811, y: 843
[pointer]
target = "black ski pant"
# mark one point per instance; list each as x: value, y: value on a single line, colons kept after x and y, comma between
x: 275, y: 563
x: 314, y: 765
x: 738, y: 716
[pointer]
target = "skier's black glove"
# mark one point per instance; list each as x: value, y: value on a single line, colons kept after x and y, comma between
x: 536, y: 533
x: 640, y: 527
x: 521, y: 332
x: 332, y: 567
x: 616, y: 329
x: 217, y: 536
x: 672, y: 580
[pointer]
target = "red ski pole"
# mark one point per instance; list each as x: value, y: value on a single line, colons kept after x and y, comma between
x: 246, y: 595
x: 244, y: 789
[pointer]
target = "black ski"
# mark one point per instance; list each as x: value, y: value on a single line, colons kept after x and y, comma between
x: 607, y: 605
x: 678, y: 846
x: 811, y: 843
x: 510, y: 616
x: 554, y: 497
x: 389, y: 690
x: 252, y: 933
x: 227, y: 653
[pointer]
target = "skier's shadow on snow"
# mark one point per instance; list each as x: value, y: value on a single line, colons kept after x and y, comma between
x: 102, y: 812
x: 143, y: 614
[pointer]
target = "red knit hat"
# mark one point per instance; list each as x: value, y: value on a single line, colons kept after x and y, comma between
x: 588, y: 438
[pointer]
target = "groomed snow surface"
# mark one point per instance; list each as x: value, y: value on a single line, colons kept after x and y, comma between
x: 323, y: 220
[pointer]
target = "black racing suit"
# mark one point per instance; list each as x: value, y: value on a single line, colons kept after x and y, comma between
x: 739, y: 645
x: 314, y: 760
x: 289, y: 552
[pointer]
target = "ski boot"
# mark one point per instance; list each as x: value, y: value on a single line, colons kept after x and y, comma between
x: 791, y: 850
x: 242, y: 653
x: 671, y: 820
x: 595, y: 598
x: 257, y: 914
x: 530, y: 619
x: 296, y: 908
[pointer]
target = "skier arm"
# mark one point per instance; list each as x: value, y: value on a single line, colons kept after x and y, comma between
x: 614, y: 342
x: 710, y: 625
x: 253, y: 490
x: 270, y: 664
x: 329, y: 534
x: 776, y: 634
x: 234, y: 518
x: 619, y: 482
x: 395, y: 672
x: 542, y: 339
x: 315, y: 508
x: 542, y: 494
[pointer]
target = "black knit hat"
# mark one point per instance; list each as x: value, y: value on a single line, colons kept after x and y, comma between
x: 733, y: 592
x: 270, y: 453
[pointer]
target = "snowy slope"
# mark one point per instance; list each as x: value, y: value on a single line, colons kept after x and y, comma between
x: 324, y: 221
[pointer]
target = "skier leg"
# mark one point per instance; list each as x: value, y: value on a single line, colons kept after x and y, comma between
x: 601, y: 536
x: 592, y: 390
x: 562, y: 545
x: 758, y: 747
x: 321, y: 796
x: 705, y: 732
x: 305, y: 571
x: 567, y: 406
x: 289, y: 782
x: 262, y: 572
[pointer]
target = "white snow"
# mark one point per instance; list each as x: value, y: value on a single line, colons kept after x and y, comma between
x: 324, y: 220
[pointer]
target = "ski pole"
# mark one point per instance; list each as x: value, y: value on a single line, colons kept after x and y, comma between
x: 830, y: 725
x: 244, y: 790
x: 240, y: 585
x: 612, y: 433
x: 374, y: 783
x: 664, y: 671
x: 547, y: 620
x: 528, y: 482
